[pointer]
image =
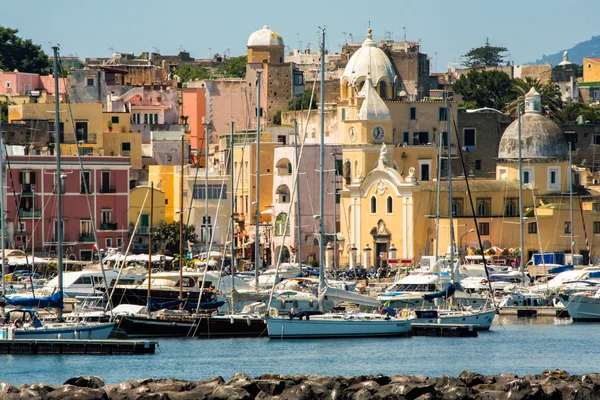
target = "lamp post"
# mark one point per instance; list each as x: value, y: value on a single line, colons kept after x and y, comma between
x: 461, y: 238
x: 353, y: 251
x: 329, y: 256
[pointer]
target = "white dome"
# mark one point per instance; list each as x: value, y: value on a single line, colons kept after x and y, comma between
x: 372, y: 108
x: 265, y: 37
x: 369, y: 60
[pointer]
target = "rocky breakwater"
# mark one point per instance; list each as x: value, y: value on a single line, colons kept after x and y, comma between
x: 553, y: 385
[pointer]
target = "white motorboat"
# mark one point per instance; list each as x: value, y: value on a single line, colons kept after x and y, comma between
x: 336, y: 325
x: 584, y: 306
x: 480, y: 319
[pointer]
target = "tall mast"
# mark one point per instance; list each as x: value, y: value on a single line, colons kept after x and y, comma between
x: 232, y: 266
x: 2, y: 206
x: 59, y: 227
x: 206, y: 216
x: 570, y: 183
x: 181, y: 223
x: 521, y: 233
x: 149, y: 300
x: 439, y: 187
x: 298, y: 224
x: 257, y: 255
x: 450, y: 221
x: 322, y: 179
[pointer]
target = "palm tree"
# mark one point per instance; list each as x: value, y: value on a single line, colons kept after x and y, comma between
x: 549, y: 92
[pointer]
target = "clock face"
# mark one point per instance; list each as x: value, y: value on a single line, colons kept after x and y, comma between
x: 378, y: 133
x: 352, y: 133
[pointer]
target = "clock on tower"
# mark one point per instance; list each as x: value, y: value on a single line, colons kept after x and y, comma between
x: 378, y: 133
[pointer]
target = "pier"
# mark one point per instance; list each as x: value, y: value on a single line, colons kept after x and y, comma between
x: 537, y: 311
x: 77, y: 346
x: 441, y: 330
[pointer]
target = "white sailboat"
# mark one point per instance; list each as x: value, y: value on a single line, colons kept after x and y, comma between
x: 23, y: 323
x: 315, y: 324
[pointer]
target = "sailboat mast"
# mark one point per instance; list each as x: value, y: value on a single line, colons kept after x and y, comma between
x: 59, y: 227
x: 450, y: 221
x: 298, y: 225
x: 439, y: 186
x: 232, y: 266
x: 322, y: 178
x: 521, y: 221
x: 257, y: 255
x: 149, y: 300
x: 570, y: 183
x: 181, y: 223
x: 2, y: 206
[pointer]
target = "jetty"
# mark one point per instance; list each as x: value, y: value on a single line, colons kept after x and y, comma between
x: 77, y: 346
x: 444, y: 330
x: 534, y: 311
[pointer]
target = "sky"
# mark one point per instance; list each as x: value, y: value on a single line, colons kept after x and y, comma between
x: 446, y: 30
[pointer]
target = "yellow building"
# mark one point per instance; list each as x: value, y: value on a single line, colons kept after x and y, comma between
x: 128, y: 144
x: 163, y: 177
x: 591, y: 70
x: 84, y: 131
x: 140, y: 204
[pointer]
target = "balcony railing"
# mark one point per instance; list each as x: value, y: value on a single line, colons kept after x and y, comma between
x: 108, y: 189
x: 30, y: 213
x: 86, y: 238
x: 108, y: 226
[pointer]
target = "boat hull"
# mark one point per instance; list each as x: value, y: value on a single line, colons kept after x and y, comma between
x: 583, y: 308
x: 328, y: 327
x: 68, y: 331
x: 198, y: 327
x: 480, y: 320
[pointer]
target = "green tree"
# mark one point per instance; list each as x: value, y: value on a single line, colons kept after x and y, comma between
x: 21, y: 54
x: 549, y: 93
x: 303, y: 102
x: 187, y: 73
x: 235, y: 67
x: 168, y: 234
x: 484, y: 88
x: 572, y: 111
x: 485, y: 56
x: 4, y: 112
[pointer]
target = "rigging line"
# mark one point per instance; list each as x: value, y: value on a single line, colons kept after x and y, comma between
x: 460, y: 153
x: 86, y: 187
x: 292, y: 196
x: 587, y: 243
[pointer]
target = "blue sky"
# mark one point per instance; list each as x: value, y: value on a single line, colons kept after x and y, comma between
x: 88, y: 28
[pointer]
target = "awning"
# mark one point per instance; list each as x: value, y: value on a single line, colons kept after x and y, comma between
x: 269, y: 211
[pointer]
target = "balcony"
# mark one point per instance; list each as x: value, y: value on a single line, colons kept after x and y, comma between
x: 108, y: 189
x: 108, y: 226
x: 87, y: 238
x: 30, y: 213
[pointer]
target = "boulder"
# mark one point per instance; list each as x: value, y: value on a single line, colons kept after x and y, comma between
x: 471, y: 378
x: 88, y: 381
x: 69, y: 392
x: 170, y: 385
x: 227, y: 392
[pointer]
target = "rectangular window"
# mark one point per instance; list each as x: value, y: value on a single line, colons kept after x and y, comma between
x: 484, y: 207
x: 81, y: 131
x: 405, y: 136
x: 90, y: 81
x: 420, y: 138
x: 115, y: 119
x: 567, y: 228
x: 442, y: 114
x: 343, y: 114
x: 532, y: 227
x: 126, y: 146
x: 84, y: 182
x: 413, y: 113
x: 105, y: 184
x: 108, y: 243
x: 52, y: 131
x: 469, y: 137
x: 457, y: 207
x: 214, y: 192
x: 502, y: 173
x: 510, y: 207
x: 424, y: 172
x: 571, y: 138
x: 339, y: 166
x: 444, y: 135
x: 527, y: 176
x: 596, y: 226
x: 85, y: 228
x: 596, y: 138
x: 554, y: 178
x: 119, y: 242
x: 484, y: 228
x: 477, y: 165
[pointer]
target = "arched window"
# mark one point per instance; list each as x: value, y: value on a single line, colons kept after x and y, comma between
x: 289, y: 168
x: 373, y: 205
x: 281, y: 225
x: 390, y: 205
x: 383, y: 90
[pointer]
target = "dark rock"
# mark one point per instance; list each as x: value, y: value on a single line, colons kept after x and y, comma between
x: 170, y: 385
x: 471, y: 378
x: 270, y: 387
x: 93, y: 382
x: 303, y: 391
x: 490, y: 395
x: 6, y: 388
x: 229, y: 393
x: 447, y: 381
x: 35, y: 391
x: 134, y: 383
x: 68, y: 392
x: 408, y: 379
x: 455, y: 393
x: 238, y: 377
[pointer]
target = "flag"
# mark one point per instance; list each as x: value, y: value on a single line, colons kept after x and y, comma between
x: 94, y: 247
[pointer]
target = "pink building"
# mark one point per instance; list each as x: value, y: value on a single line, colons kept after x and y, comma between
x: 32, y: 203
x: 24, y: 83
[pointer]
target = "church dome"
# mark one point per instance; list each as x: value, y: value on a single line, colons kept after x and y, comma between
x: 369, y: 60
x: 265, y: 37
x: 541, y: 138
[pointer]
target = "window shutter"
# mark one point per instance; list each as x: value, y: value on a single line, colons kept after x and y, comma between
x: 32, y: 177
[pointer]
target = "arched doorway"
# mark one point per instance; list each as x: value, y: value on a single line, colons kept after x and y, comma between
x: 285, y: 254
x: 381, y: 244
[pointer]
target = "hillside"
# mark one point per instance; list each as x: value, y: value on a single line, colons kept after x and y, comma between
x: 589, y: 48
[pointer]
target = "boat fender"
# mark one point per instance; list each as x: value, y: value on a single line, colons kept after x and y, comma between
x: 484, y: 282
x: 404, y: 313
x: 283, y: 304
x: 310, y: 303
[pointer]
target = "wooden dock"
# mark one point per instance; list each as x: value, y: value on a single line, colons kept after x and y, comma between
x: 444, y: 330
x: 531, y: 311
x: 77, y: 346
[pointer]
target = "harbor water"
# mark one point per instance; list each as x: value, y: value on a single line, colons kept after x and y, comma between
x: 513, y: 345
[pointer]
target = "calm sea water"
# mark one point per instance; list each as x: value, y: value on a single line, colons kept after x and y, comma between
x: 514, y: 345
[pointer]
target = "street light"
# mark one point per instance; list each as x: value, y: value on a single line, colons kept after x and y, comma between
x: 462, y: 236
x: 353, y: 251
